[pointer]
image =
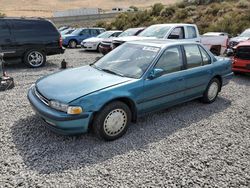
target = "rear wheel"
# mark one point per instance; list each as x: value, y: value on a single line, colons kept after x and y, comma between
x: 212, y: 91
x: 112, y: 121
x: 72, y: 44
x: 34, y: 58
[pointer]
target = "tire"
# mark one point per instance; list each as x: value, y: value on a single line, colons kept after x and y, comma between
x: 34, y: 58
x: 212, y: 91
x: 72, y: 44
x: 105, y: 127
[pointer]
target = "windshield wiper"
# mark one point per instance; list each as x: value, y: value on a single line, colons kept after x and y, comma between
x: 112, y: 72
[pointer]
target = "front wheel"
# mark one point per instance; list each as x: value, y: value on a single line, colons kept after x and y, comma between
x: 34, y: 58
x: 212, y: 91
x: 112, y: 121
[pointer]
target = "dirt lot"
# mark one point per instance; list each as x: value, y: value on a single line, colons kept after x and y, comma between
x: 190, y: 145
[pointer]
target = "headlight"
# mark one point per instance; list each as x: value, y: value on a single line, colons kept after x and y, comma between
x: 65, y: 108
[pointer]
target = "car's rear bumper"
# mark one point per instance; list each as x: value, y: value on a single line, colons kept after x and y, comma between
x: 59, y: 122
x: 226, y: 78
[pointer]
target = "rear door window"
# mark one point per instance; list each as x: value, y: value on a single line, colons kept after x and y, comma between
x: 171, y: 60
x: 191, y: 32
x: 193, y: 56
x: 94, y: 32
x: 205, y: 57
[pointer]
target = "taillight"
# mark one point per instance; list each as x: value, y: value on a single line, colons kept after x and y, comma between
x: 60, y: 41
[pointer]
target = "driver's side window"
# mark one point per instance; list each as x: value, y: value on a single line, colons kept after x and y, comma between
x: 85, y: 32
x: 171, y: 60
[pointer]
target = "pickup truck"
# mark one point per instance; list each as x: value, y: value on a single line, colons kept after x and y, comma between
x: 179, y: 31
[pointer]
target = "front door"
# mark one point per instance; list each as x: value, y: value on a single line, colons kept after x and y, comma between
x: 167, y: 89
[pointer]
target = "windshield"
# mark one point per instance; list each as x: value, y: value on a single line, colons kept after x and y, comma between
x: 105, y: 35
x: 158, y: 31
x: 129, y: 60
x: 76, y: 32
x: 67, y: 31
x: 245, y: 34
x: 128, y: 32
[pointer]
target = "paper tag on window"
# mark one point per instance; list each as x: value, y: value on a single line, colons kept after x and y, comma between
x: 152, y: 49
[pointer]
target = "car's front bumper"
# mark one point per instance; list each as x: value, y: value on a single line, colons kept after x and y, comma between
x: 59, y: 122
x: 89, y: 46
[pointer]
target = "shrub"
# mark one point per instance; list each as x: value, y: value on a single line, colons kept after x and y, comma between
x: 243, y: 4
x: 168, y: 11
x: 156, y: 9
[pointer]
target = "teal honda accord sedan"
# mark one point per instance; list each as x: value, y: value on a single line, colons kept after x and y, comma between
x: 136, y: 78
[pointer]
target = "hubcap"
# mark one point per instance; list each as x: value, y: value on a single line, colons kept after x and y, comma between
x: 115, y: 122
x: 213, y: 90
x: 35, y: 59
x: 72, y: 44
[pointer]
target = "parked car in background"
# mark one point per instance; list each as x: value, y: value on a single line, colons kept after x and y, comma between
x: 77, y: 36
x: 67, y: 31
x: 136, y: 78
x: 105, y: 45
x: 62, y: 28
x: 236, y: 40
x: 241, y: 60
x: 163, y: 31
x: 216, y: 42
x: 94, y: 42
x: 29, y: 40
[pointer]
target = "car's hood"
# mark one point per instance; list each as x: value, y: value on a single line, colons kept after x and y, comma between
x: 68, y: 85
x: 239, y: 39
x: 93, y: 39
x: 132, y: 38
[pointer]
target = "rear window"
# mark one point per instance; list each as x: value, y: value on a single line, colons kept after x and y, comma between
x: 191, y: 31
x: 33, y: 27
x: 243, y: 52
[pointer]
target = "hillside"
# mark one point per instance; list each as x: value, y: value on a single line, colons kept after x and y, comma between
x: 230, y: 16
x: 45, y: 8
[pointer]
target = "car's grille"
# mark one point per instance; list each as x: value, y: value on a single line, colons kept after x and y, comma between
x: 42, y: 98
x: 232, y: 44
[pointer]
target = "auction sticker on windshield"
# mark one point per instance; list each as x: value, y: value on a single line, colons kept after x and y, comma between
x: 152, y: 49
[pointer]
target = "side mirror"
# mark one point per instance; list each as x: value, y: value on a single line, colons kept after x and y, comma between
x: 155, y: 73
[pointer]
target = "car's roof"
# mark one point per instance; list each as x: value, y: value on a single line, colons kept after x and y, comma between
x: 174, y: 24
x: 160, y: 43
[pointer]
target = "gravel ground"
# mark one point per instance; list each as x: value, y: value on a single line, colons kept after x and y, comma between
x: 190, y: 145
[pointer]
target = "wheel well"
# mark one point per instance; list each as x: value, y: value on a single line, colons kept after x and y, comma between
x: 72, y: 40
x: 220, y: 79
x: 130, y: 104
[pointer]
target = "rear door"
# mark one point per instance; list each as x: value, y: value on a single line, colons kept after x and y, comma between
x: 198, y: 70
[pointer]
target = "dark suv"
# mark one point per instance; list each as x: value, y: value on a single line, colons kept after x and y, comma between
x: 29, y: 40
